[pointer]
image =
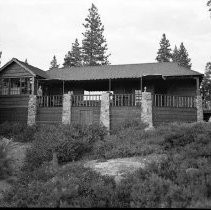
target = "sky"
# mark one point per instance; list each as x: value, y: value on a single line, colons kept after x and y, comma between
x: 39, y: 29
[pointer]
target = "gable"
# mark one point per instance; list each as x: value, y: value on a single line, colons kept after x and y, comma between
x: 14, y: 70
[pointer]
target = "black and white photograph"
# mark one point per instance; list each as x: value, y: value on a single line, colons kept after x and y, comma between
x: 105, y: 104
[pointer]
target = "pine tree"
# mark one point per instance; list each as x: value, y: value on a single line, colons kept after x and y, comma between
x: 206, y: 82
x: 94, y: 46
x: 164, y: 53
x: 183, y: 57
x: 54, y: 63
x: 73, y: 57
x: 175, y: 54
x: 209, y: 5
x: 26, y: 61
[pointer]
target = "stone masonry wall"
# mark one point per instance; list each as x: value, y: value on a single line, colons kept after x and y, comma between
x: 105, y: 110
x: 146, y: 108
x: 32, y: 110
x: 199, y: 108
x: 66, y: 112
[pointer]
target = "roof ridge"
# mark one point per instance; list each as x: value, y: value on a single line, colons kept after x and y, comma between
x: 75, y: 67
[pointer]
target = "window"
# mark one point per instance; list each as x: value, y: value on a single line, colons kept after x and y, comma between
x: 15, y: 86
x: 4, y: 87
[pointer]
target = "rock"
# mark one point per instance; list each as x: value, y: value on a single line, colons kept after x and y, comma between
x: 192, y: 172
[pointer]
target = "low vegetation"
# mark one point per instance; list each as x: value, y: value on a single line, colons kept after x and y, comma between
x: 5, y: 167
x: 183, y: 179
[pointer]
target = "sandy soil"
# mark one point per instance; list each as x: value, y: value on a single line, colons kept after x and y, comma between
x: 121, y: 166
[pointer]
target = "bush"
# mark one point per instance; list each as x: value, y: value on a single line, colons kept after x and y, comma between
x: 183, y: 179
x: 70, y: 142
x: 5, y: 168
x: 73, y: 186
x: 128, y: 142
x: 20, y: 132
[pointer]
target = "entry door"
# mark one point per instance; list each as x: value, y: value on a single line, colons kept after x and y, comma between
x: 86, y: 117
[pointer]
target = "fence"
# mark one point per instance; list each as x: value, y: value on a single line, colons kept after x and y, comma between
x: 50, y: 101
x: 125, y: 99
x: 174, y: 101
x: 86, y: 100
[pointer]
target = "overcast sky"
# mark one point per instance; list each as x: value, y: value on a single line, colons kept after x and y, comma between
x: 39, y: 29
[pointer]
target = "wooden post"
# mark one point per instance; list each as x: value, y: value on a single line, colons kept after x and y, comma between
x: 33, y: 85
x: 197, y: 86
x: 9, y: 86
x: 62, y: 87
x: 109, y: 85
x: 141, y: 83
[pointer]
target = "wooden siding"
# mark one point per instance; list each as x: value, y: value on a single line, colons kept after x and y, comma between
x: 85, y: 115
x: 121, y: 114
x: 14, y: 108
x: 49, y: 115
x: 14, y: 101
x: 170, y: 114
x: 18, y: 114
x: 14, y: 70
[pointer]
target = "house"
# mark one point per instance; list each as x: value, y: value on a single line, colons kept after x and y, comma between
x: 173, y: 91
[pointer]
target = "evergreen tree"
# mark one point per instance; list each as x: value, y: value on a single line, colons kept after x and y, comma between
x: 26, y: 61
x: 206, y: 82
x: 54, y: 63
x: 94, y: 46
x: 175, y: 54
x: 164, y: 53
x: 73, y: 57
x: 209, y: 5
x: 183, y: 57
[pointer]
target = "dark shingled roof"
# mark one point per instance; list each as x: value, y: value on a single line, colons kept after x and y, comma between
x: 32, y: 69
x: 120, y: 71
x: 168, y: 69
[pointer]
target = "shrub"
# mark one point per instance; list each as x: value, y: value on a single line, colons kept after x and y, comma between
x: 128, y: 142
x: 5, y: 167
x: 70, y: 142
x: 20, y: 132
x: 73, y: 186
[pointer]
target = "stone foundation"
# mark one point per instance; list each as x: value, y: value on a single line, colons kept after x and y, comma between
x: 105, y: 110
x: 199, y: 108
x: 32, y: 110
x: 146, y: 109
x: 66, y: 112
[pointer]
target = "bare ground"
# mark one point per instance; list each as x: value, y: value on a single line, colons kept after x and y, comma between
x: 121, y: 166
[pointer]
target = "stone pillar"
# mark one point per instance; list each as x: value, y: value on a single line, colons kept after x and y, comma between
x: 66, y: 112
x: 199, y: 108
x: 32, y: 110
x: 146, y: 109
x: 105, y: 110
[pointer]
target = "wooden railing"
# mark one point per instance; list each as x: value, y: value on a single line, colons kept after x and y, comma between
x: 174, y: 101
x: 86, y: 100
x: 49, y: 101
x: 125, y: 99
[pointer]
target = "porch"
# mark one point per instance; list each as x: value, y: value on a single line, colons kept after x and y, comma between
x: 87, y: 109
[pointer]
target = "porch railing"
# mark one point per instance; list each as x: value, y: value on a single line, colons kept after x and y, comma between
x: 50, y: 101
x: 174, y: 101
x: 86, y: 100
x: 125, y: 99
